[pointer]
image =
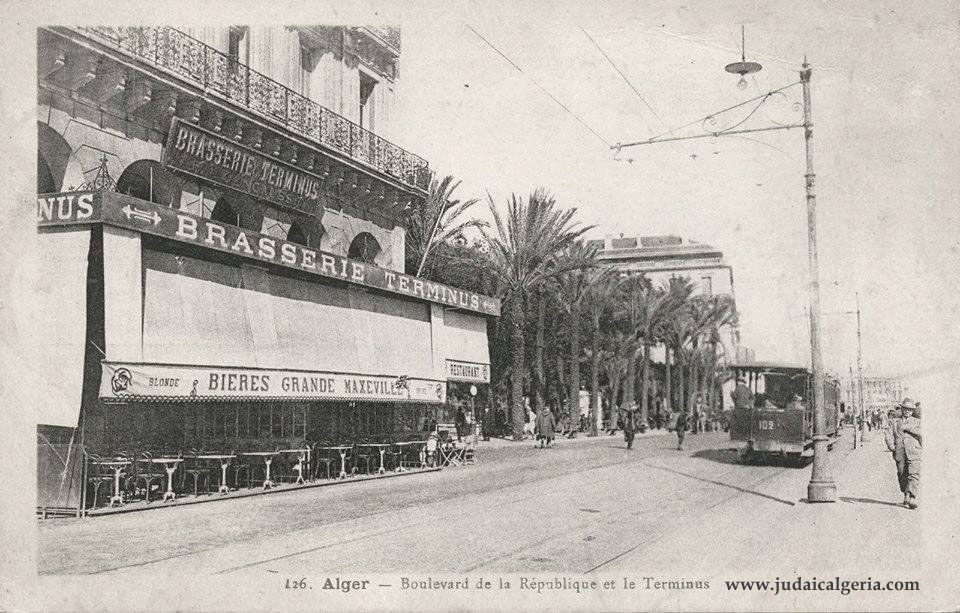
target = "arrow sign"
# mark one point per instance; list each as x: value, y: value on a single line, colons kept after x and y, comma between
x: 133, y: 212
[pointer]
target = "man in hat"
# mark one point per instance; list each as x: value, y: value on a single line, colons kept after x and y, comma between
x: 912, y: 446
x: 894, y: 440
x: 628, y: 417
x: 681, y: 428
x: 741, y: 395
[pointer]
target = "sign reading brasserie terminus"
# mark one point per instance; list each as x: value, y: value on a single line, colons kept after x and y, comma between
x: 74, y: 208
x: 128, y: 381
x: 212, y: 158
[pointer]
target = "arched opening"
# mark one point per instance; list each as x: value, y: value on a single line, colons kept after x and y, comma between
x: 45, y: 181
x: 297, y: 235
x: 223, y: 212
x: 148, y: 180
x: 57, y: 167
x: 364, y: 248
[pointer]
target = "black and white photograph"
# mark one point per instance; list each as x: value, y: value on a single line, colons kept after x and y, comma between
x: 476, y: 306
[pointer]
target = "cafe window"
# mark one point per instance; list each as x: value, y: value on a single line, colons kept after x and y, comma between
x: 706, y: 284
x: 148, y: 180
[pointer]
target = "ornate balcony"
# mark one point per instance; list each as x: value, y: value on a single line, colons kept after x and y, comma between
x: 217, y: 73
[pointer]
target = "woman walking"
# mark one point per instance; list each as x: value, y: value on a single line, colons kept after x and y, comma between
x: 546, y: 427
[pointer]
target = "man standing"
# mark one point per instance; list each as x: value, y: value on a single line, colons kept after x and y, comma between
x: 912, y: 446
x: 681, y: 429
x: 741, y: 395
x: 628, y: 418
x: 546, y: 427
x: 894, y: 440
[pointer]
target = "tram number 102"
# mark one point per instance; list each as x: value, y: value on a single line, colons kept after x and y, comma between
x: 765, y: 424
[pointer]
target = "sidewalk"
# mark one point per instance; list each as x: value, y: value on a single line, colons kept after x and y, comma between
x: 774, y: 533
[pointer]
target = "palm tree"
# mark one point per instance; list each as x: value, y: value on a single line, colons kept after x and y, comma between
x: 601, y: 286
x: 642, y: 315
x: 679, y: 289
x: 438, y: 218
x: 655, y: 313
x: 524, y: 246
x: 573, y: 288
x: 619, y: 350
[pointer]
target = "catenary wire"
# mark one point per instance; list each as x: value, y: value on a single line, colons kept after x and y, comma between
x: 543, y: 89
x: 620, y: 72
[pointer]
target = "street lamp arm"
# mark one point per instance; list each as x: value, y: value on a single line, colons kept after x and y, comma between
x: 655, y: 140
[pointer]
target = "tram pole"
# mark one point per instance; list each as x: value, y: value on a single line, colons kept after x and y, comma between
x: 821, y: 487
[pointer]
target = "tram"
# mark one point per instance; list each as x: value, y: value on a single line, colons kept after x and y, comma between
x: 778, y: 425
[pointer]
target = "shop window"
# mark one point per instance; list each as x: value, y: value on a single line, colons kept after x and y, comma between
x: 364, y: 248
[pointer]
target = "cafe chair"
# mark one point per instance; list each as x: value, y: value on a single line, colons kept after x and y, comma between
x: 98, y: 476
x: 149, y: 472
x: 196, y: 470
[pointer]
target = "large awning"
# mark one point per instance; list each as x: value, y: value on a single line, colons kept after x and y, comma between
x: 132, y: 382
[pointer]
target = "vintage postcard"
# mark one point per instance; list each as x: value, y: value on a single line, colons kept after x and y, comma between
x: 480, y: 306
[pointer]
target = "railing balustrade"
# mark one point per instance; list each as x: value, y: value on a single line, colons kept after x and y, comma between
x: 212, y: 70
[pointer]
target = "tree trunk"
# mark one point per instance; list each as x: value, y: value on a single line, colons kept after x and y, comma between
x: 644, y: 384
x: 628, y: 385
x: 538, y: 388
x: 681, y: 384
x: 667, y: 404
x: 516, y: 376
x: 614, y: 393
x: 575, y: 366
x: 594, y: 389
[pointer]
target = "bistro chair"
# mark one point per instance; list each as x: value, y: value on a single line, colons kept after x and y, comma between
x: 363, y: 456
x: 97, y: 476
x: 196, y: 469
x: 148, y: 471
x: 240, y: 465
x: 320, y: 456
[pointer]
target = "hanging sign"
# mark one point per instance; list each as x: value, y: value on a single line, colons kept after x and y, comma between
x: 205, y: 155
x: 468, y: 371
x: 142, y: 216
x: 130, y: 381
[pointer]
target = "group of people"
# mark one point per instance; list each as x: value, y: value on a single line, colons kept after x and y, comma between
x: 905, y: 443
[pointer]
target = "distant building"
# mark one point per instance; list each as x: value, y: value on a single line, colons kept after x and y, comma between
x: 883, y: 393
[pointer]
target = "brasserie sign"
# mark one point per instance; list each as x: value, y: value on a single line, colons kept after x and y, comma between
x: 208, y: 156
x: 142, y: 216
x: 468, y: 371
x: 132, y: 382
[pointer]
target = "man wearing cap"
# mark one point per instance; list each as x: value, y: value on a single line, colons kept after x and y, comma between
x: 912, y: 446
x: 894, y: 439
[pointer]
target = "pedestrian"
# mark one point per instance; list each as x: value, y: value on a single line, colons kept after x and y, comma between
x: 894, y: 440
x: 681, y: 428
x: 546, y: 427
x: 741, y: 395
x: 912, y: 446
x: 461, y: 424
x: 628, y: 419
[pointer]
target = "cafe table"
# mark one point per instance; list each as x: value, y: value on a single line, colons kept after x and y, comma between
x: 382, y: 448
x: 423, y: 453
x: 304, y: 457
x: 170, y: 464
x: 268, y: 457
x: 117, y: 466
x: 342, y: 449
x: 224, y: 459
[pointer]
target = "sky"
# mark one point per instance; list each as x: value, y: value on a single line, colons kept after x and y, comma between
x: 885, y: 150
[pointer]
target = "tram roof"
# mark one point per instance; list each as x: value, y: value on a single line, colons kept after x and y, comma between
x: 769, y: 366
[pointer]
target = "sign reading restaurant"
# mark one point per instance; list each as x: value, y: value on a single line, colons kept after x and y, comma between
x: 468, y: 371
x: 124, y: 211
x: 205, y: 155
x: 129, y: 381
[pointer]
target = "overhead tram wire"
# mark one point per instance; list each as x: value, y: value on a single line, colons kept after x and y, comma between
x: 540, y: 87
x: 700, y: 120
x: 623, y: 76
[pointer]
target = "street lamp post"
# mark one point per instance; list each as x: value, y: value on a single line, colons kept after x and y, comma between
x: 821, y: 487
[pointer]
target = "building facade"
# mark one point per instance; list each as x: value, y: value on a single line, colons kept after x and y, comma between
x: 879, y: 393
x: 220, y: 229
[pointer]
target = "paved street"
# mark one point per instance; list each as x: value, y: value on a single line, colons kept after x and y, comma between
x: 586, y: 506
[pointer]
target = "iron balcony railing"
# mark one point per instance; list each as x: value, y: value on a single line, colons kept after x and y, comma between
x: 214, y: 71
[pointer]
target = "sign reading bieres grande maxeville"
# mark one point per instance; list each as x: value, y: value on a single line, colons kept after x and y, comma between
x: 131, y: 381
x: 127, y: 212
x: 206, y: 155
x: 468, y: 371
